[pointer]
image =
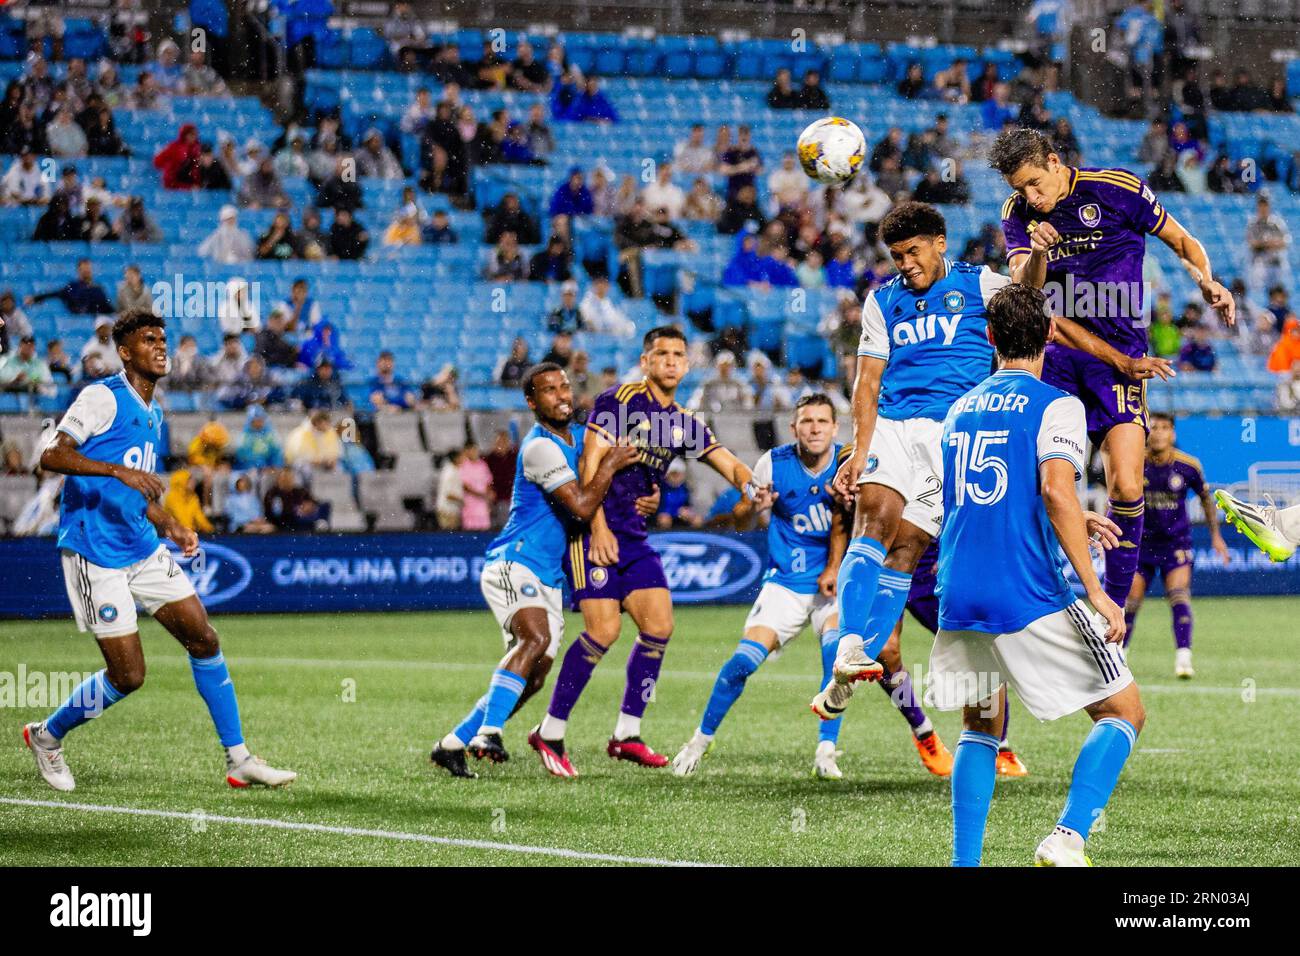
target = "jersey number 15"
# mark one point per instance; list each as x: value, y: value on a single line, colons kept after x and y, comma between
x: 974, y: 460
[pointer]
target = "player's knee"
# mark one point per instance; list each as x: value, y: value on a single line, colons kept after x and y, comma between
x: 1126, y: 487
x: 127, y: 678
x: 204, y: 643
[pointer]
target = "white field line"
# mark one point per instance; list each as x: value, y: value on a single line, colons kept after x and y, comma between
x: 350, y: 832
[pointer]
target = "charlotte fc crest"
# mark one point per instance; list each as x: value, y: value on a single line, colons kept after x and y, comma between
x: 953, y: 301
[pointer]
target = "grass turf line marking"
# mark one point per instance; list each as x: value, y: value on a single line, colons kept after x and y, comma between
x: 354, y: 832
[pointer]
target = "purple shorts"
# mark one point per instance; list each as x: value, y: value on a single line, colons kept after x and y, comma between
x: 1109, y: 397
x: 638, y: 568
x: 921, y: 599
x: 1163, y: 557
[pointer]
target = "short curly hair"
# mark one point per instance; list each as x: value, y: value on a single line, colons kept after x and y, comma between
x: 130, y: 322
x: 910, y: 219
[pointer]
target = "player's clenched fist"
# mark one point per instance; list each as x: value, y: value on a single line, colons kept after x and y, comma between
x: 1044, y: 237
x: 845, y: 484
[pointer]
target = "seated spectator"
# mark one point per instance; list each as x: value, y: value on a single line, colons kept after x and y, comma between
x: 693, y: 155
x: 509, y: 216
x: 136, y: 225
x: 540, y: 139
x: 722, y: 389
x: 740, y: 162
x: 271, y: 346
x: 451, y: 493
x: 182, y: 502
x: 553, y: 264
x: 209, y: 448
x: 95, y: 226
x: 375, y: 160
x: 314, y: 443
x: 1165, y: 178
x: 741, y: 208
x: 841, y: 271
x: 507, y: 262
x: 228, y: 364
x: 770, y: 393
x: 439, y: 231
x: 259, y: 445
x: 24, y: 183
x: 58, y: 361
x: 664, y: 193
x: 323, y: 344
x: 501, y: 461
x: 788, y: 184
x: 1245, y: 96
x: 243, y: 509
x: 261, y: 189
x: 179, y: 159
x: 812, y: 95
x: 441, y: 390
x: 419, y: 114
x: 953, y: 82
x: 516, y: 149
x: 600, y: 314
x: 565, y: 317
x: 65, y: 138
x: 912, y: 85
x: 22, y: 370
x: 476, y: 490
x: 228, y: 244
x: 322, y: 389
x: 189, y: 371
x: 315, y: 240
x: 290, y: 507
x: 1166, y: 338
x: 388, y: 391
x: 675, y: 509
x: 591, y: 105
x: 280, y: 241
x: 1286, y: 353
x: 82, y: 296
x: 212, y: 174
x: 561, y: 350
x: 25, y: 132
x: 200, y: 79
x: 527, y: 73
x: 102, y: 138
x: 132, y: 296
x: 58, y: 223
x: 254, y: 386
x: 782, y: 95
x: 404, y: 230
x: 997, y: 110
x: 14, y: 323
x: 356, y: 459
x: 348, y: 238
x: 572, y: 197
x: 510, y: 373
x: 301, y: 310
x: 291, y: 160
x: 1278, y: 100
x: 702, y: 203
x: 950, y: 188
x: 340, y: 190
x: 1197, y: 354
x: 238, y: 311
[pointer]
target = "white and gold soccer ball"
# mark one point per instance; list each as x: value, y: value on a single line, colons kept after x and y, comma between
x: 831, y: 150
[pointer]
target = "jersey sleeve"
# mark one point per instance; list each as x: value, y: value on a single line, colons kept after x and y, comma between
x: 1013, y: 229
x: 763, y: 470
x: 1146, y: 211
x: 1063, y: 433
x: 874, y: 341
x: 990, y: 283
x: 604, y: 416
x: 91, y: 414
x: 699, y: 440
x: 545, y: 465
x: 1195, y: 477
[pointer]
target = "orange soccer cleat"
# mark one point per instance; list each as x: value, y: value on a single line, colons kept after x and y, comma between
x: 1009, y: 765
x: 934, y: 755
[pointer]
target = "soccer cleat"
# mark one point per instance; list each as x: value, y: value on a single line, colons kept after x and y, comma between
x: 853, y: 664
x: 824, y: 765
x: 49, y: 760
x: 255, y: 770
x: 488, y: 747
x: 452, y: 761
x: 935, y: 757
x: 831, y: 701
x: 635, y: 750
x: 1258, y: 523
x: 1009, y: 765
x: 554, y: 759
x: 1061, y: 848
x: 1183, y: 664
x: 688, y: 758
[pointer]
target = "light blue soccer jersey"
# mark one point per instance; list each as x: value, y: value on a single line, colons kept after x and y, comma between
x: 934, y: 342
x: 1000, y: 564
x: 799, y: 532
x: 535, y: 533
x: 100, y: 518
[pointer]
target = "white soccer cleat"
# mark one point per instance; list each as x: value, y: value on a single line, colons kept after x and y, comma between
x: 1183, y: 664
x: 1258, y: 523
x: 256, y: 771
x: 1061, y: 848
x: 853, y: 664
x: 832, y: 700
x: 49, y: 757
x: 824, y: 765
x: 688, y: 758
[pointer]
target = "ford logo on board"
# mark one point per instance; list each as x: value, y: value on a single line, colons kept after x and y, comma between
x: 706, y: 567
x: 218, y: 573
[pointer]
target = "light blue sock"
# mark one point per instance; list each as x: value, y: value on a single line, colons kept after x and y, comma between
x: 467, y: 728
x: 731, y: 683
x: 856, y: 584
x: 1096, y: 772
x: 88, y: 700
x: 503, y: 693
x: 891, y: 597
x: 830, y: 729
x: 974, y: 771
x: 212, y: 679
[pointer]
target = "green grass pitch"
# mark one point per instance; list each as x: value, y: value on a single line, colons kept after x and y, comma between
x: 354, y: 702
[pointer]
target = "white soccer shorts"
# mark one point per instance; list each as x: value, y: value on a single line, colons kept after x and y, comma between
x: 104, y: 599
x: 509, y: 586
x: 787, y: 612
x: 908, y: 457
x: 1057, y: 665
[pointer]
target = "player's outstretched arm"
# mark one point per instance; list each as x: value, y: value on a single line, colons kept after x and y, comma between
x: 866, y: 395
x: 726, y: 464
x: 1212, y: 523
x: 1074, y: 335
x: 63, y: 457
x: 583, y: 498
x: 604, y: 546
x: 1066, y: 515
x: 1192, y: 255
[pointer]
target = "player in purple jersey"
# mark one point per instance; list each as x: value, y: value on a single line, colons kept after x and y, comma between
x: 1080, y: 236
x: 1167, y: 535
x: 613, y: 568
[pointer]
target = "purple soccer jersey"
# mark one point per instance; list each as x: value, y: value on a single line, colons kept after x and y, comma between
x: 1166, y: 530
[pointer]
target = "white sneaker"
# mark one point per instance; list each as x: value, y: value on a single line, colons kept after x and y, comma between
x: 853, y: 664
x: 832, y: 700
x: 824, y: 766
x: 688, y: 758
x: 1183, y: 663
x: 255, y: 770
x: 49, y: 757
x: 1258, y: 523
x: 1061, y: 848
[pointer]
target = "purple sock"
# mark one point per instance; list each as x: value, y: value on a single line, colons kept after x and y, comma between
x: 1180, y: 605
x: 1122, y: 562
x: 579, y: 661
x: 1130, y: 618
x: 898, y: 685
x: 1006, y: 726
x: 643, y: 673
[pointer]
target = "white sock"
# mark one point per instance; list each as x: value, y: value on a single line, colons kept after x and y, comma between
x: 1288, y: 522
x: 552, y: 728
x: 237, y: 754
x: 485, y: 730
x: 924, y: 729
x: 451, y: 742
x: 702, y: 737
x: 627, y: 726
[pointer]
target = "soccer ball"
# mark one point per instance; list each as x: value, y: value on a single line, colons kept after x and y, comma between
x: 831, y: 150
